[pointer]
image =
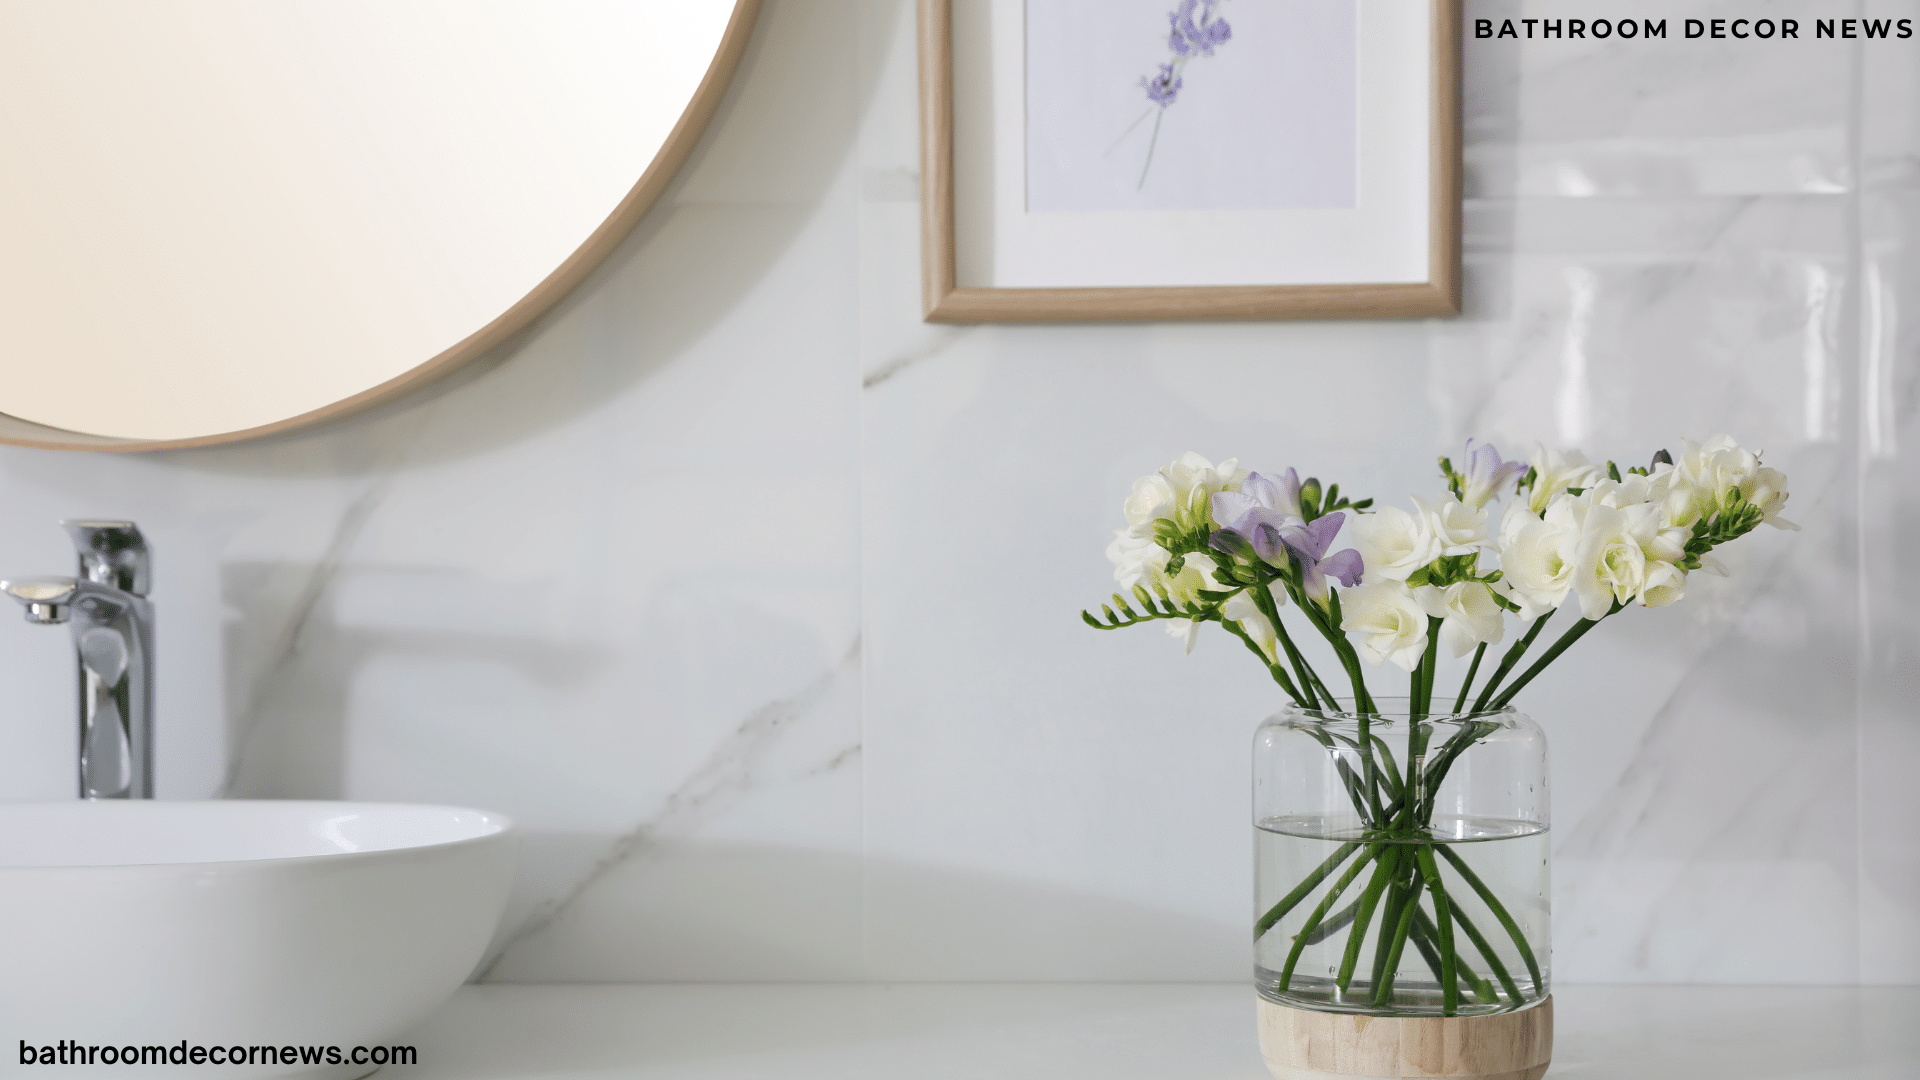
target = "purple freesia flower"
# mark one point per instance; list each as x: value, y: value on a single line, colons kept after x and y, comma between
x: 1164, y: 87
x: 1309, y: 547
x: 1261, y: 512
x: 1485, y: 474
x: 1266, y: 513
x: 1260, y: 499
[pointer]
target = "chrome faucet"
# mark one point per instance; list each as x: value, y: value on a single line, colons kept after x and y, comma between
x: 107, y: 611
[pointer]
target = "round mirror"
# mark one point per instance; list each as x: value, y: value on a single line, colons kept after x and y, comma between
x: 225, y: 218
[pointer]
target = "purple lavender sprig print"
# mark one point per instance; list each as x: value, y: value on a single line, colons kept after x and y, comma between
x: 1194, y: 30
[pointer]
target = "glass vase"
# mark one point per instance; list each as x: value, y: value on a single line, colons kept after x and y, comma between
x: 1401, y: 861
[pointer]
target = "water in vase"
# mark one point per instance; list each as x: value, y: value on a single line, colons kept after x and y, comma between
x: 1394, y: 963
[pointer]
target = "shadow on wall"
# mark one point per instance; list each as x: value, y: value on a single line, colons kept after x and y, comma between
x: 784, y: 130
x: 698, y: 911
x: 287, y: 693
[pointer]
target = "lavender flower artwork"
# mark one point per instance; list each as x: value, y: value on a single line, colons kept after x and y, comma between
x: 1195, y: 29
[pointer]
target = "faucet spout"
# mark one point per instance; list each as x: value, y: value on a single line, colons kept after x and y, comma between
x: 111, y: 622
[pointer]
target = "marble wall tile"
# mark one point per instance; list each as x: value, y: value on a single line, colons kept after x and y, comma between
x: 754, y: 597
x: 1889, y: 119
x: 1888, y: 647
x: 1560, y: 117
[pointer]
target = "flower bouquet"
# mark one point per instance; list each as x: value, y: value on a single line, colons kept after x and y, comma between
x: 1401, y: 851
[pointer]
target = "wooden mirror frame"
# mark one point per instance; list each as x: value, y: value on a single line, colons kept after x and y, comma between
x: 598, y: 245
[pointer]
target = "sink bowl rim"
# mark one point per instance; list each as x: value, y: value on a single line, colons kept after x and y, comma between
x: 504, y: 828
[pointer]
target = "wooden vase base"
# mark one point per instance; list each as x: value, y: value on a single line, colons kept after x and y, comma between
x: 1302, y: 1044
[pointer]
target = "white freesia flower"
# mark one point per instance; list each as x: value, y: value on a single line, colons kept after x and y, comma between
x: 1718, y: 467
x: 1630, y: 490
x: 1537, y: 555
x: 1767, y: 489
x: 1182, y: 492
x: 1610, y: 561
x: 1667, y: 541
x: 1392, y: 624
x: 1135, y: 559
x: 1666, y: 583
x: 1197, y: 572
x: 1151, y: 500
x: 1242, y: 609
x: 1393, y: 543
x: 1461, y: 528
x: 1554, y: 472
x: 1516, y: 518
x: 1194, y: 480
x: 1469, y: 614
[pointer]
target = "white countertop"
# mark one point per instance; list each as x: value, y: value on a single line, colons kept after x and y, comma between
x: 1112, y: 1032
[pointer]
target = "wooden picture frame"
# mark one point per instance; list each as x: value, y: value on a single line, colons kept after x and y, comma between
x: 946, y: 300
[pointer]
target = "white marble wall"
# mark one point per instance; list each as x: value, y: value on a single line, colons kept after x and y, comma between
x: 754, y: 598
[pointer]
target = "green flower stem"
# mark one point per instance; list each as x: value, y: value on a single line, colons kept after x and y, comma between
x: 1391, y: 771
x: 1449, y: 990
x: 1499, y: 912
x: 1327, y: 623
x: 1399, y: 894
x: 1363, y: 702
x: 1263, y: 599
x: 1361, y: 804
x: 1300, y: 891
x: 1304, y: 604
x: 1424, y: 936
x: 1437, y: 769
x: 1409, y: 817
x: 1389, y: 913
x: 1279, y: 675
x: 1382, y: 874
x: 1383, y: 982
x: 1372, y: 769
x: 1423, y: 699
x: 1472, y: 669
x: 1486, y: 951
x: 1322, y: 686
x: 1320, y: 912
x: 1334, y: 925
x: 1506, y: 662
x: 1566, y: 641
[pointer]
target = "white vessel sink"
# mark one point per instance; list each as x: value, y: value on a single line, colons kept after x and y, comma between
x: 238, y: 924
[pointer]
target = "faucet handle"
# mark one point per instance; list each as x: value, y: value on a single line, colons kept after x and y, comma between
x: 112, y: 553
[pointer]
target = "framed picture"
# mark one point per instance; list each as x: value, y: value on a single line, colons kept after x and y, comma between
x: 1189, y: 159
